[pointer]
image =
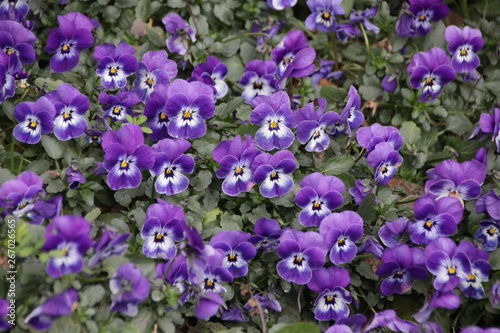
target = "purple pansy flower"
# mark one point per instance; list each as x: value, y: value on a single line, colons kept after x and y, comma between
x: 325, y: 72
x: 119, y: 106
x: 270, y: 27
x: 369, y: 137
x: 273, y: 113
x: 333, y: 299
x: 155, y: 68
x: 480, y: 270
x: 163, y: 226
x: 385, y: 160
x: 175, y: 273
x: 489, y: 231
x: 9, y: 66
x: 5, y: 308
x: 236, y: 157
x: 396, y: 232
x: 454, y: 179
x: 273, y: 172
x: 170, y: 164
x: 157, y: 114
x: 267, y: 233
x: 312, y: 126
x: 109, y: 244
x: 72, y: 37
x: 393, y: 323
x: 188, y: 104
x: 16, y: 11
x: 74, y: 176
x: 182, y: 33
x: 115, y: 64
x: 360, y: 191
x: 212, y: 72
x: 495, y: 294
x: 426, y: 11
x: 70, y: 235
x: 322, y: 16
x: 435, y: 218
x: 319, y: 195
x: 351, y: 117
x: 341, y: 231
x: 34, y: 119
x: 463, y: 45
x: 267, y: 301
x: 390, y: 82
x: 258, y: 79
x: 70, y: 106
x: 477, y: 329
x: 490, y: 123
x: 281, y: 4
x: 125, y: 155
x: 363, y: 16
x: 94, y: 136
x: 232, y: 314
x: 237, y: 250
x: 18, y: 195
x: 430, y: 71
x: 294, y: 56
x: 398, y: 265
x: 63, y: 304
x: 301, y: 253
x: 370, y: 245
x: 17, y: 40
x: 128, y: 289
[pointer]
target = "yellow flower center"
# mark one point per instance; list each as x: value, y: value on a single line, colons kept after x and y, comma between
x: 116, y: 110
x: 329, y: 298
x: 187, y: 114
x: 273, y: 175
x: 428, y: 224
x: 67, y: 115
x: 65, y: 251
x: 471, y: 277
x: 163, y: 116
x: 316, y: 205
x: 33, y: 124
x: 492, y: 231
x: 298, y: 259
x: 429, y: 80
x: 65, y: 47
x: 238, y: 170
x: 10, y: 51
x: 159, y: 236
x: 422, y: 17
x: 326, y: 15
x: 232, y: 256
x: 150, y: 81
x: 112, y: 70
x: 452, y: 270
x: 210, y: 283
x: 168, y: 171
x: 273, y: 124
x: 124, y: 164
x: 463, y: 52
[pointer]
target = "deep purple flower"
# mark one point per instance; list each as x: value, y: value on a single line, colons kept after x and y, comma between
x: 74, y: 176
x: 258, y: 79
x: 232, y: 314
x: 495, y: 293
x: 195, y: 252
x: 34, y: 119
x: 360, y: 191
x: 399, y: 267
x: 322, y: 16
x: 281, y: 4
x: 386, y: 160
x: 488, y: 234
x: 115, y: 64
x: 119, y: 106
x: 125, y: 155
x: 109, y: 244
x: 480, y: 270
x: 390, y: 83
x: 435, y: 219
x: 301, y: 253
x: 70, y: 106
x: 325, y: 72
x: 9, y: 66
x: 267, y: 233
x: 273, y: 172
x: 163, y: 226
x: 70, y: 235
x: 16, y: 11
x: 72, y: 37
x: 395, y: 232
x: 276, y: 119
x: 363, y: 16
x: 5, y: 308
x: 212, y: 73
x: 463, y: 45
x: 351, y: 117
x: 94, y: 136
x: 454, y: 179
x: 270, y: 27
x: 369, y: 137
x: 63, y: 304
x: 17, y: 40
x: 170, y: 164
x: 294, y: 56
x: 430, y: 71
x: 18, y: 196
x: 426, y: 11
x: 312, y: 125
x: 182, y: 33
x: 319, y: 195
x: 236, y: 157
x: 174, y: 271
x: 332, y: 301
x: 188, y: 104
x: 490, y: 123
x: 390, y: 320
x: 341, y: 231
x: 155, y: 68
x: 371, y: 246
x: 237, y: 250
x: 156, y: 112
x: 439, y: 299
x: 128, y: 289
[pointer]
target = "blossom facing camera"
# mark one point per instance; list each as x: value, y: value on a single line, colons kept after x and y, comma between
x: 463, y: 45
x: 115, y: 64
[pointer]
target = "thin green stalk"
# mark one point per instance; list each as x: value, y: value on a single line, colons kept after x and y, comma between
x: 248, y: 34
x: 464, y: 8
x: 485, y: 9
x: 361, y: 154
x: 367, y: 42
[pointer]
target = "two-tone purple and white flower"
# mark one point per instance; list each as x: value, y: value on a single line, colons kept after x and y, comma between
x: 385, y: 160
x: 238, y: 251
x: 294, y: 56
x: 273, y: 171
x: 212, y: 73
x: 115, y: 64
x: 259, y: 79
x: 155, y: 68
x: 63, y: 304
x: 15, y: 39
x: 267, y: 233
x: 182, y: 33
x: 490, y: 123
x: 463, y: 44
x: 117, y: 107
x: 323, y: 14
x: 34, y: 119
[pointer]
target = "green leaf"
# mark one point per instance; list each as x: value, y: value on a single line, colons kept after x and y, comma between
x: 410, y: 132
x: 367, y: 208
x: 47, y: 84
x: 52, y: 147
x: 223, y: 13
x: 435, y: 38
x: 495, y: 259
x: 38, y: 166
x: 211, y: 216
x: 176, y: 3
x: 93, y: 214
x: 123, y: 198
x: 300, y: 327
x: 56, y: 186
x: 459, y: 124
x: 92, y: 295
x: 147, y: 130
x: 126, y: 3
x: 224, y: 109
x: 333, y: 94
x: 155, y: 37
x: 365, y: 270
x: 165, y: 324
x: 337, y: 165
x: 202, y: 180
x: 347, y: 4
x: 371, y: 87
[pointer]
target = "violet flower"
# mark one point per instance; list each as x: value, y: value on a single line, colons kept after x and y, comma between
x: 273, y: 172
x: 128, y: 289
x: 325, y: 72
x: 301, y: 253
x: 109, y: 244
x: 390, y: 320
x: 385, y: 160
x: 66, y: 42
x: 188, y: 104
x: 477, y: 329
x: 157, y: 115
x: 119, y: 106
x: 163, y: 226
x: 351, y: 117
x: 155, y: 68
x: 268, y: 301
x: 70, y: 106
x: 369, y: 137
x: 212, y: 73
x: 463, y: 45
x: 390, y: 82
x: 430, y: 71
x: 276, y: 119
x: 435, y: 218
x: 195, y: 252
x: 232, y: 314
x: 312, y: 126
x: 63, y: 304
x: 237, y: 250
x: 322, y: 16
x: 5, y: 308
x: 182, y: 33
x: 74, y: 176
x: 281, y: 4
x: 398, y: 265
x: 270, y: 28
x: 15, y: 11
x: 18, y: 195
x: 341, y: 231
x: 170, y: 164
x: 125, y: 155
x: 236, y: 157
x: 70, y: 235
x: 9, y: 66
x: 360, y: 191
x: 490, y: 123
x: 267, y: 233
x: 495, y: 294
x: 17, y: 40
x: 333, y: 299
x: 425, y: 12
x: 489, y: 231
x: 294, y: 56
x: 34, y: 119
x: 363, y: 16
x: 394, y: 233
x: 370, y: 246
x: 258, y: 79
x: 319, y: 195
x: 175, y: 273
x: 480, y: 270
x: 115, y: 64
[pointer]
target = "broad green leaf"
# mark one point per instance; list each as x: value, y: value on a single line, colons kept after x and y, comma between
x: 52, y: 147
x: 410, y: 132
x: 337, y: 165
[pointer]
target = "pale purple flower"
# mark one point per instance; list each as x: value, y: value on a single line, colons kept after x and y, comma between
x: 390, y: 320
x: 351, y: 117
x: 390, y: 83
x: 237, y: 250
x: 369, y: 137
x: 109, y: 244
x: 74, y: 176
x: 490, y: 123
x: 182, y: 33
x: 463, y: 45
x: 157, y: 114
x: 360, y: 191
x: 15, y: 11
x: 495, y: 293
x: 273, y: 171
x: 281, y: 4
x: 294, y: 56
x: 34, y: 119
x: 63, y: 304
x: 232, y: 314
x: 323, y: 14
x: 129, y: 287
x: 115, y: 64
x: 417, y: 22
x: 385, y: 160
x: 18, y: 196
x: 363, y: 16
x: 212, y: 73
x: 155, y: 68
x: 259, y: 79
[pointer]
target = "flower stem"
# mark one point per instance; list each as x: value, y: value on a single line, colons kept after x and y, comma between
x: 367, y: 42
x: 248, y: 34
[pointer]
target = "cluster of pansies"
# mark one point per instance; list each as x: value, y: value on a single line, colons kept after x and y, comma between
x: 146, y: 119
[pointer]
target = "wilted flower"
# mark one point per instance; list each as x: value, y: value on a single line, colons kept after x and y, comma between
x: 115, y: 64
x: 41, y: 317
x: 128, y: 289
x: 182, y: 33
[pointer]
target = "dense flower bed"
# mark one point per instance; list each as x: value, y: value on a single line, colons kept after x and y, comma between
x: 281, y: 166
